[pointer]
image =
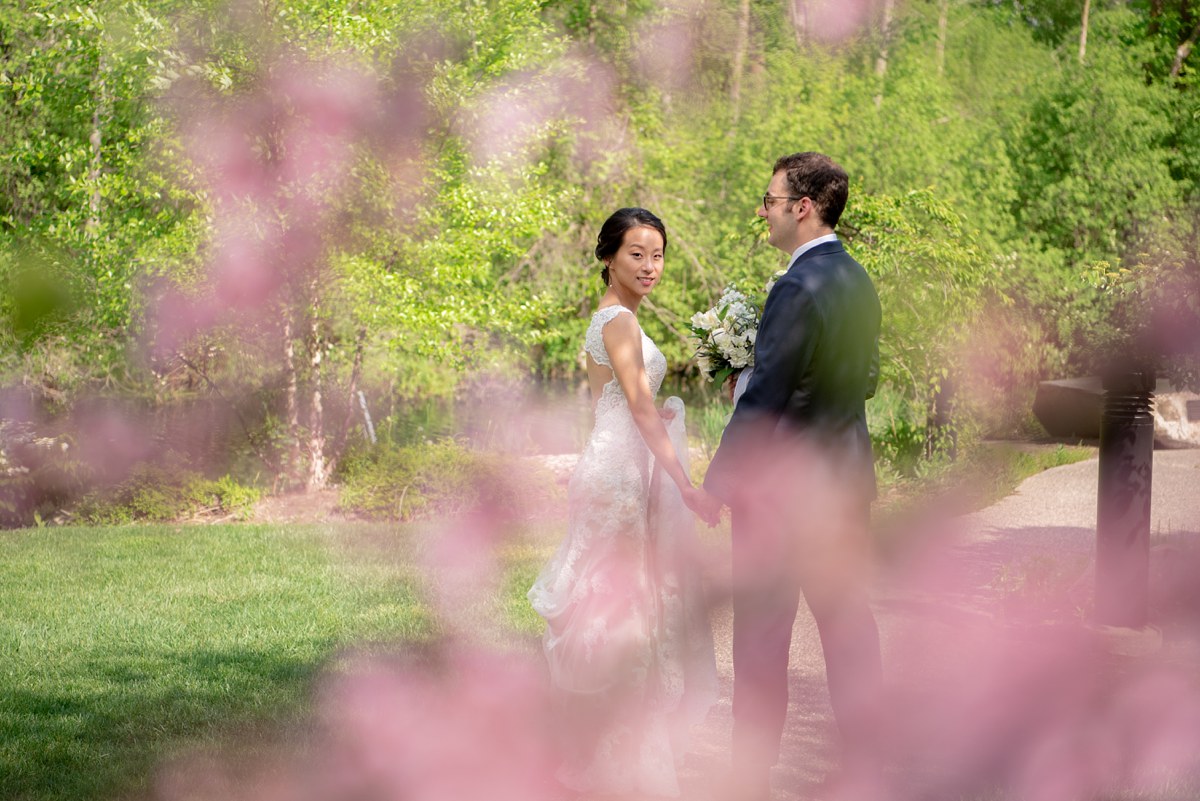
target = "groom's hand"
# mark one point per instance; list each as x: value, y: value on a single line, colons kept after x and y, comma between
x: 730, y: 384
x: 706, y: 506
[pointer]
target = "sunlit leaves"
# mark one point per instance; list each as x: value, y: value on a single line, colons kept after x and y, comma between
x: 930, y: 277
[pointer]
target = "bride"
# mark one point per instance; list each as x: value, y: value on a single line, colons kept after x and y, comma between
x: 627, y: 637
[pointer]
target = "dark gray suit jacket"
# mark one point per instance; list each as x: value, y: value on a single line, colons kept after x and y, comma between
x: 816, y: 361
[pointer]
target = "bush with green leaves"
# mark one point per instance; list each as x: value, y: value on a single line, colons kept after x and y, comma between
x: 160, y: 494
x: 437, y: 479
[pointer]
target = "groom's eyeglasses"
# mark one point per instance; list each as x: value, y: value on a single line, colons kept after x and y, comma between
x: 769, y: 200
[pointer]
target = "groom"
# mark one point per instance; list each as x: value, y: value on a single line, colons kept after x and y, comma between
x: 795, y: 466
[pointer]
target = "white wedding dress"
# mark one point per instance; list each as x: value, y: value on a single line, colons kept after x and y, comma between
x: 627, y: 640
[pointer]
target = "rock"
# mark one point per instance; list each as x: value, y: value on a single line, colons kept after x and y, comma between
x: 1176, y: 419
x: 1070, y: 408
x: 559, y: 465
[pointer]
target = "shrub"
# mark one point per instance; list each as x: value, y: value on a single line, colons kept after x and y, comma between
x: 898, y: 432
x: 159, y: 494
x: 436, y: 478
x: 708, y: 423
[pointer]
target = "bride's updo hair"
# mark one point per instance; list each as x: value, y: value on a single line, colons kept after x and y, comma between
x: 612, y: 233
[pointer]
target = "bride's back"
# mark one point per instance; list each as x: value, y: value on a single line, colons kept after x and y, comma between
x: 598, y: 376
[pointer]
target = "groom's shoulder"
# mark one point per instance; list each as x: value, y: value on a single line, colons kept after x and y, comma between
x: 817, y: 263
x: 834, y: 256
x: 820, y: 257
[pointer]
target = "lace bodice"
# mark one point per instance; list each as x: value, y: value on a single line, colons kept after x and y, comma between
x: 611, y: 397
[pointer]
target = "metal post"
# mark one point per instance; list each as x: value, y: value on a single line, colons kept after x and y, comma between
x: 1123, y: 503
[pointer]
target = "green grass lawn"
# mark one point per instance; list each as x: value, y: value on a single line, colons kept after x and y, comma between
x: 119, y: 646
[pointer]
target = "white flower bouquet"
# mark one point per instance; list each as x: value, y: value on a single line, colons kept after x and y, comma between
x: 725, y: 334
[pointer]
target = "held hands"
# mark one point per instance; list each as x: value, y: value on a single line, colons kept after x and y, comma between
x: 706, y: 507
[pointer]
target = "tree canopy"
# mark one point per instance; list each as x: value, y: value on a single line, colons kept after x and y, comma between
x: 293, y: 200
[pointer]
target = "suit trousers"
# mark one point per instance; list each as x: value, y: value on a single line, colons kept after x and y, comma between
x: 812, y: 543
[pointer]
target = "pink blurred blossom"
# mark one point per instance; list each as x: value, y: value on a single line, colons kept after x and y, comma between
x: 176, y: 316
x: 463, y: 560
x: 835, y: 21
x: 467, y: 724
x: 473, y: 724
x: 508, y: 119
x: 276, y: 160
x: 1023, y: 697
x: 665, y: 52
x: 111, y: 440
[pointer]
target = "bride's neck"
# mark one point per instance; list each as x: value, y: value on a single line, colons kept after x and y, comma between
x: 613, y: 296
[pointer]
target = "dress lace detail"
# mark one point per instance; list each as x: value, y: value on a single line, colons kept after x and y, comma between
x: 627, y: 637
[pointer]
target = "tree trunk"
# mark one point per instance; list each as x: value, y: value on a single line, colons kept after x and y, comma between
x: 1183, y: 51
x: 741, y: 45
x: 292, y: 411
x: 339, y: 444
x: 99, y: 115
x: 881, y: 61
x: 799, y: 13
x: 317, y: 477
x: 943, y: 23
x: 739, y: 63
x: 1083, y: 30
x: 1155, y: 18
x: 940, y: 434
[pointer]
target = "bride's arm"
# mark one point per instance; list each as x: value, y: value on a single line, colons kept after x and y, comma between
x: 623, y: 341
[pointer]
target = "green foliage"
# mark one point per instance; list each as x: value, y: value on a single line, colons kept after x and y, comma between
x: 159, y: 495
x: 1154, y: 310
x: 436, y: 478
x: 993, y: 171
x: 83, y: 177
x: 1099, y: 166
x: 1093, y: 166
x: 1050, y: 21
x: 897, y: 427
x: 930, y: 278
x: 707, y: 422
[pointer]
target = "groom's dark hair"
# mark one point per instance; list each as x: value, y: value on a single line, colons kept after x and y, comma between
x: 612, y: 233
x: 819, y: 178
